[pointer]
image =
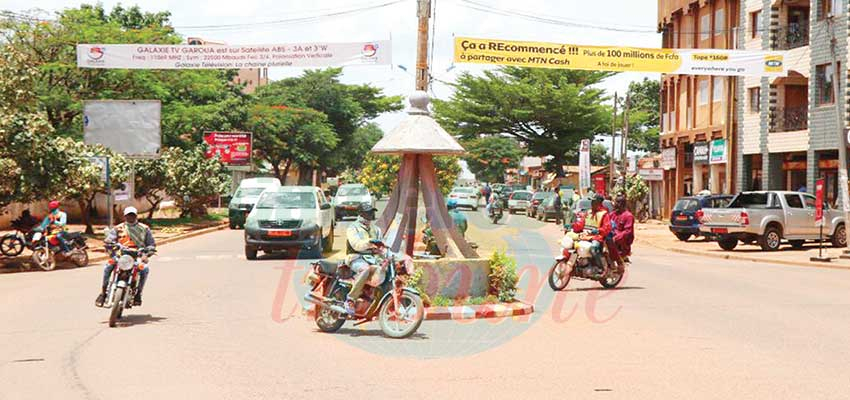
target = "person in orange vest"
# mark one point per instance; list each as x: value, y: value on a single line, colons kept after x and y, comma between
x: 599, y: 222
x: 135, y: 235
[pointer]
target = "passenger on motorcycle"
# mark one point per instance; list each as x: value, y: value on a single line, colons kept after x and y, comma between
x: 624, y: 234
x: 55, y: 222
x: 135, y: 235
x: 599, y: 223
x: 494, y: 201
x: 360, y: 251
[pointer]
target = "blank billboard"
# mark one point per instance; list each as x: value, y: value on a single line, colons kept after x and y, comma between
x: 130, y: 127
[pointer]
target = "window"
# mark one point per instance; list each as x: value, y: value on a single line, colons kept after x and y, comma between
x: 827, y: 7
x: 705, y: 27
x: 793, y: 201
x: 717, y: 94
x: 719, y: 22
x: 755, y: 24
x: 755, y: 99
x: 703, y: 92
x: 686, y: 205
x: 810, y: 201
x: 675, y: 37
x: 823, y: 84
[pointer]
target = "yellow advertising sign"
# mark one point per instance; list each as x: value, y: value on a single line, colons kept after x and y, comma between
x: 613, y: 58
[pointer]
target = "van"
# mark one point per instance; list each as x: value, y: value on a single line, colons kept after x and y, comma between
x: 245, y: 198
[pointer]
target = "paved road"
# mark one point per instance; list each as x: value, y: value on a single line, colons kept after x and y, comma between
x: 215, y: 326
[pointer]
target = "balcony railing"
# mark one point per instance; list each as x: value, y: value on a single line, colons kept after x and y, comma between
x: 791, y: 36
x: 790, y: 119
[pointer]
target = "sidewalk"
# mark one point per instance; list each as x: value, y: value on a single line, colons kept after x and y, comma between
x: 656, y: 234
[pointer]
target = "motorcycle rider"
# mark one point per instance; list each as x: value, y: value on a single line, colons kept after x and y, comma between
x: 135, y: 235
x: 493, y: 203
x: 360, y: 248
x: 599, y: 222
x: 55, y: 221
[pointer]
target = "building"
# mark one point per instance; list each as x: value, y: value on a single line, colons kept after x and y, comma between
x: 784, y: 131
x: 251, y: 77
x: 698, y: 112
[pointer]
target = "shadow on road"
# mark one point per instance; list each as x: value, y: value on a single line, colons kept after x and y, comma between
x: 137, y: 319
x: 374, y: 333
x: 593, y: 289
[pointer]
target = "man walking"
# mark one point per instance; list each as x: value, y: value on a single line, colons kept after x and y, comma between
x: 559, y: 207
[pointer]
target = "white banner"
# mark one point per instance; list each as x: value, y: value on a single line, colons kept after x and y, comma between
x: 151, y: 56
x: 668, y: 158
x: 584, y: 165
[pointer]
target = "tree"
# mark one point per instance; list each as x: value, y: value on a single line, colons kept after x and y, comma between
x: 644, y: 119
x: 380, y: 172
x: 194, y: 180
x: 348, y: 107
x: 489, y: 157
x: 150, y: 178
x: 287, y: 135
x: 548, y: 110
x: 599, y: 155
x: 84, y: 178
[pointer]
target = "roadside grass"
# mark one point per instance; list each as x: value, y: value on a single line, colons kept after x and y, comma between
x: 213, y: 216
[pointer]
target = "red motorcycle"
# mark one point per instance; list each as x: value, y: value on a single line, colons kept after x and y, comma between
x: 576, y: 261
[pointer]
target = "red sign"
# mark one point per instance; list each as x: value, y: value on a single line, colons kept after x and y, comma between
x: 234, y: 148
x: 599, y: 184
x: 819, y: 187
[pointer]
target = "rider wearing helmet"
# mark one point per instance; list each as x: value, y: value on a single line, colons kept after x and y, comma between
x: 599, y: 222
x: 458, y: 218
x: 55, y: 221
x: 360, y: 251
x: 132, y: 234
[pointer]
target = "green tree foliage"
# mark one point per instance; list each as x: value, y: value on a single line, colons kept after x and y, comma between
x: 284, y: 136
x: 150, y: 177
x: 599, y: 155
x: 194, y: 180
x: 644, y: 120
x: 489, y: 157
x: 380, y: 172
x: 348, y: 107
x: 548, y: 110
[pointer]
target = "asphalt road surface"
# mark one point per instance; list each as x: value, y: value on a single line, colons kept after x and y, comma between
x: 215, y: 326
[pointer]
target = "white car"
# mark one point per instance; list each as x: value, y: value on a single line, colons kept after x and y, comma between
x: 348, y: 199
x: 519, y: 201
x: 465, y: 197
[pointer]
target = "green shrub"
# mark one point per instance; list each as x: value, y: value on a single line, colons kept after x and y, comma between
x: 503, y: 276
x: 415, y: 282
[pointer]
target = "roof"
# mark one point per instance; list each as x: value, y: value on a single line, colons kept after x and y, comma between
x: 418, y: 133
x: 296, y: 189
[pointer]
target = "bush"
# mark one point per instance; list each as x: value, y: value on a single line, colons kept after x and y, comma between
x: 503, y: 276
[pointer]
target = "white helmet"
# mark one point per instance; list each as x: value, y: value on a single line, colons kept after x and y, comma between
x: 130, y: 210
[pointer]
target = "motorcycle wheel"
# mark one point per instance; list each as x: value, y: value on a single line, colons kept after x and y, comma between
x: 612, y: 280
x: 11, y: 245
x: 407, y: 322
x: 81, y: 258
x: 117, y: 307
x: 43, y: 257
x: 559, y: 275
x: 327, y: 320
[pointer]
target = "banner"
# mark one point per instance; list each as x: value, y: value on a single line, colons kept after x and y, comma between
x: 614, y: 58
x: 701, y: 153
x: 819, y: 186
x: 584, y: 165
x: 599, y: 184
x: 668, y: 158
x: 186, y: 56
x: 234, y: 148
x: 651, y: 174
x: 718, y: 151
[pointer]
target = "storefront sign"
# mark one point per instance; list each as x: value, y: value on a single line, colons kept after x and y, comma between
x: 599, y: 184
x: 186, y: 56
x: 584, y: 164
x: 234, y: 148
x: 718, y: 151
x: 701, y: 153
x: 668, y: 158
x: 819, y: 186
x: 651, y: 174
x: 613, y: 58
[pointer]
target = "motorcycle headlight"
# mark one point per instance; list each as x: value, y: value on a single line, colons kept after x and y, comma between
x: 125, y: 262
x: 36, y: 237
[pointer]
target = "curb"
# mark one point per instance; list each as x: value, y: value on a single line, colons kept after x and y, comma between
x: 218, y: 227
x: 808, y: 264
x: 484, y: 311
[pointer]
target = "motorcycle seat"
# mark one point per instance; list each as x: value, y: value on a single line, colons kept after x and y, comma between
x: 328, y: 267
x: 73, y: 235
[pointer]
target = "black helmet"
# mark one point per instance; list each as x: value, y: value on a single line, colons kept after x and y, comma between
x: 598, y: 198
x: 367, y: 211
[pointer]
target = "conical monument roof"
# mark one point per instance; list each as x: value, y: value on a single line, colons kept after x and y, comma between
x: 419, y: 133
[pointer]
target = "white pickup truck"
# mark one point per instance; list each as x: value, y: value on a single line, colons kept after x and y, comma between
x: 768, y: 218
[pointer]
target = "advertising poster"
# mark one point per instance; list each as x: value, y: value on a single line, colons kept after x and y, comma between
x: 234, y: 148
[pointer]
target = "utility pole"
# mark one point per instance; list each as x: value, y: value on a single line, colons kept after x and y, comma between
x: 613, y: 137
x: 842, y: 136
x: 424, y: 13
x: 624, y: 141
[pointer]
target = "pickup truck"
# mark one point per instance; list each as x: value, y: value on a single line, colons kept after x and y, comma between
x: 768, y: 218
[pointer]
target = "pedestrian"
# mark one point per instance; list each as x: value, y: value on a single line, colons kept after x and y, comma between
x: 487, y: 192
x: 559, y: 206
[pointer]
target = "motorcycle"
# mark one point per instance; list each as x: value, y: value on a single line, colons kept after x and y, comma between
x: 386, y: 296
x: 122, y: 284
x: 46, y: 250
x: 13, y: 244
x: 576, y: 261
x: 495, y: 212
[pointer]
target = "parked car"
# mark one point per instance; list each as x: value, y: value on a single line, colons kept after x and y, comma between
x: 538, y: 198
x: 546, y: 209
x: 768, y: 218
x: 348, y: 199
x: 683, y: 219
x: 519, y: 201
x: 465, y: 197
x: 290, y: 218
x: 245, y: 197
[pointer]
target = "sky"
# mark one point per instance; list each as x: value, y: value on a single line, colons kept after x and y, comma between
x: 398, y: 22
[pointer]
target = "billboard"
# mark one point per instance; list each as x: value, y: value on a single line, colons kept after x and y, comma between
x: 129, y: 127
x: 233, y: 148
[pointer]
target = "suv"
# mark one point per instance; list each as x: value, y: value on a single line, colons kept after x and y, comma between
x: 290, y: 218
x: 245, y: 197
x: 348, y: 199
x: 683, y: 219
x: 519, y: 201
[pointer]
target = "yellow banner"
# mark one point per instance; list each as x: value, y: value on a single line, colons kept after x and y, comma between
x: 613, y: 58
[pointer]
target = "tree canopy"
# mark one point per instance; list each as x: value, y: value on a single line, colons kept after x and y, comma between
x: 489, y: 157
x: 644, y: 119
